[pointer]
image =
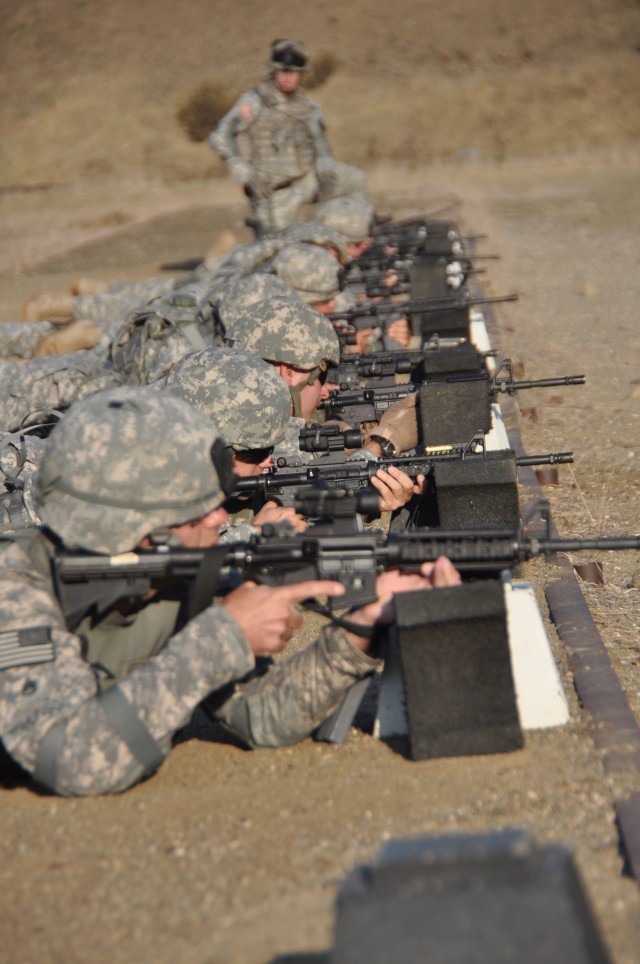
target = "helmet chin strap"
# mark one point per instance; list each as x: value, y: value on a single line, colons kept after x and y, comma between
x: 296, y: 390
x: 296, y: 397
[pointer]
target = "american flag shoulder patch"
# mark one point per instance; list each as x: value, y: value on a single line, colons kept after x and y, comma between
x: 24, y: 647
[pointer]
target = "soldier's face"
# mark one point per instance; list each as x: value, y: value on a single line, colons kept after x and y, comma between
x: 287, y: 81
x: 355, y: 250
x: 325, y: 307
x: 247, y: 469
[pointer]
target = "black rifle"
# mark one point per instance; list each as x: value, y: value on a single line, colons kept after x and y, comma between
x: 416, y: 243
x: 373, y: 314
x: 450, y: 280
x: 373, y: 265
x: 379, y: 365
x: 328, y: 441
x: 383, y: 366
x: 91, y: 584
x: 369, y: 404
x: 286, y: 482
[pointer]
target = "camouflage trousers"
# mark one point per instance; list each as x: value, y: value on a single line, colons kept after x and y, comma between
x: 277, y: 210
x: 17, y: 338
x: 51, y: 382
x: 117, y: 303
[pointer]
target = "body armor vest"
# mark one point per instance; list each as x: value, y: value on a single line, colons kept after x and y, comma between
x: 281, y: 137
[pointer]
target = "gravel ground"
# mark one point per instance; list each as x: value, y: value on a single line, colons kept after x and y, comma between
x: 228, y: 856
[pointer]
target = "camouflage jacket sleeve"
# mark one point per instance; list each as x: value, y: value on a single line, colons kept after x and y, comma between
x: 318, y: 128
x: 16, y: 338
x: 296, y: 694
x: 223, y: 138
x: 20, y: 456
x: 46, y: 684
x: 236, y: 531
x: 245, y: 258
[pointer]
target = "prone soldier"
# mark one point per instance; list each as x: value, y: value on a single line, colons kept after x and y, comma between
x: 302, y: 345
x: 250, y: 404
x: 95, y: 710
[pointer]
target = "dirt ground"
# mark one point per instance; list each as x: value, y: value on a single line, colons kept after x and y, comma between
x: 526, y: 119
x: 229, y: 856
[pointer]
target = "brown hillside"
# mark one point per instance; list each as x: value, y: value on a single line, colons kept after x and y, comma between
x: 91, y: 91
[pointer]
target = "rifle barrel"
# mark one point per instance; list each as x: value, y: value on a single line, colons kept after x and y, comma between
x: 540, y: 383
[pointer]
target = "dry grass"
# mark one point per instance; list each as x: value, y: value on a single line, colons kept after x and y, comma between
x: 207, y: 105
x: 421, y: 83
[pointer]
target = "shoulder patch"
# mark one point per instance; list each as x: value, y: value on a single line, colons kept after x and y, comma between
x: 25, y: 647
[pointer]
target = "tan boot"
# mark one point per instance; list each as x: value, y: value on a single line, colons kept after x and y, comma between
x: 89, y: 286
x: 77, y: 336
x: 45, y: 307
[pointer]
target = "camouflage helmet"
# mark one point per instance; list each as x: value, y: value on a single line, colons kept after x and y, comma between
x: 314, y: 273
x: 241, y: 293
x: 127, y: 463
x: 243, y: 395
x: 351, y: 216
x: 279, y: 330
x: 314, y: 232
x: 288, y: 55
x: 338, y: 179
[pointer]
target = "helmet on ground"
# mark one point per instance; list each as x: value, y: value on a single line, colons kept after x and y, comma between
x: 279, y: 330
x: 351, y: 216
x: 127, y: 463
x: 313, y: 272
x: 288, y: 55
x: 242, y: 394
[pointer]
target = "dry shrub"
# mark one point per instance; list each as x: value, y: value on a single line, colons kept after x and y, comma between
x: 205, y: 107
x: 320, y: 69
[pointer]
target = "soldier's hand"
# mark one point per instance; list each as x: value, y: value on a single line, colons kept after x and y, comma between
x: 400, y: 331
x: 432, y: 575
x: 272, y: 512
x: 395, y: 487
x: 240, y: 170
x: 364, y: 340
x: 267, y: 616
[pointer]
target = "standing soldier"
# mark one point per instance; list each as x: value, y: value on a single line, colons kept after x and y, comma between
x: 275, y: 145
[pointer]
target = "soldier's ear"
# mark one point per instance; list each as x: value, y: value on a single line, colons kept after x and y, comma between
x: 285, y: 372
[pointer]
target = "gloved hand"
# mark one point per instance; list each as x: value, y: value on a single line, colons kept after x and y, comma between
x: 241, y: 171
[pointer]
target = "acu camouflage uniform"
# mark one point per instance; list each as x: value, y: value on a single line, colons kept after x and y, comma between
x: 90, y: 712
x: 18, y: 338
x: 20, y: 455
x: 50, y: 382
x: 249, y: 260
x: 313, y: 272
x: 144, y: 347
x: 272, y: 142
x: 247, y: 400
x: 243, y: 293
x: 279, y: 330
x: 155, y: 337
